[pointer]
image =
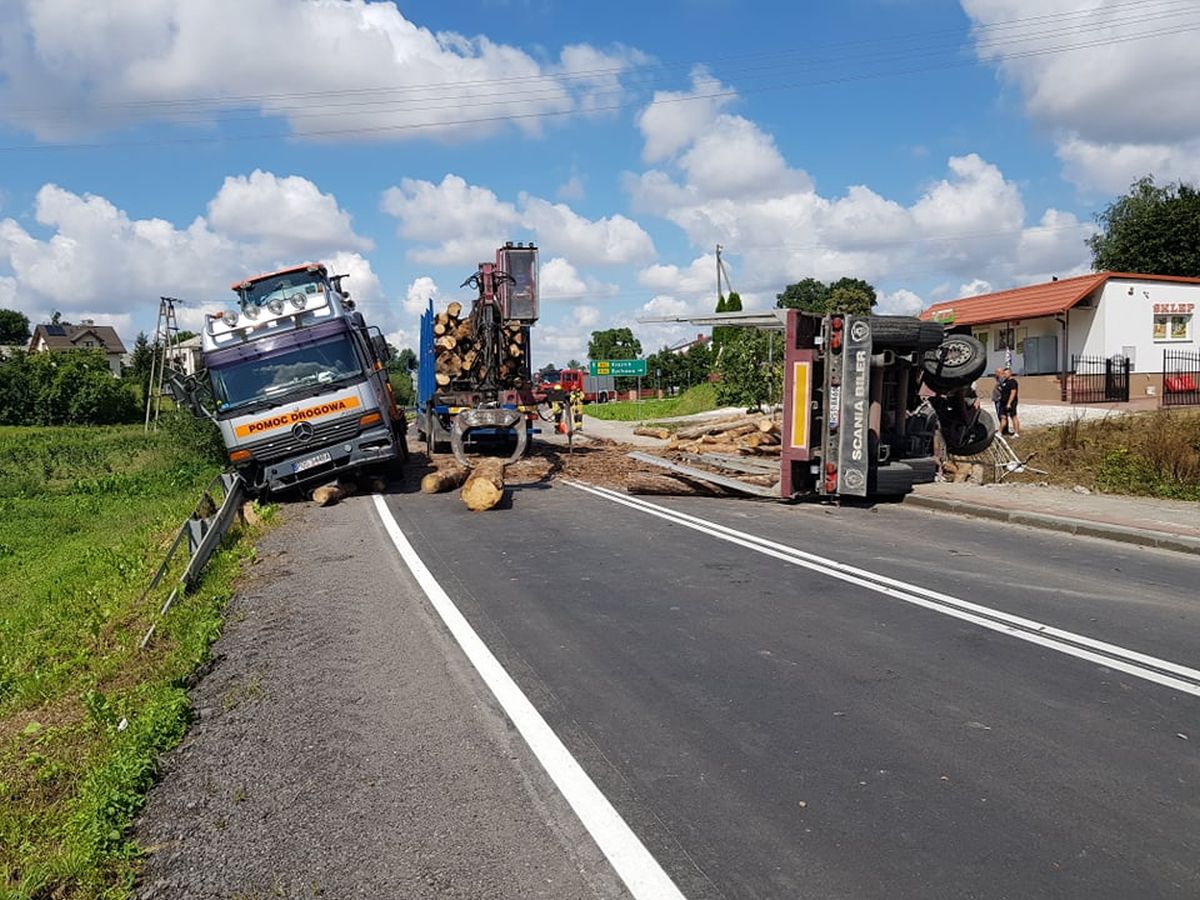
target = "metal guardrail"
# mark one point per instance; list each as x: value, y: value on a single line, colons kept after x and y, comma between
x: 203, y: 531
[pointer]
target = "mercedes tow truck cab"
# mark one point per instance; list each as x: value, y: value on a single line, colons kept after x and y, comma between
x: 299, y: 382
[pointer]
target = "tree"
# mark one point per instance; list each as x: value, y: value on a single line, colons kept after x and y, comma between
x: 14, y: 326
x: 746, y: 377
x: 614, y: 343
x: 75, y: 388
x: 848, y: 295
x: 184, y: 335
x: 403, y: 360
x: 57, y: 319
x: 808, y: 295
x: 575, y: 364
x: 1151, y: 229
x: 547, y: 369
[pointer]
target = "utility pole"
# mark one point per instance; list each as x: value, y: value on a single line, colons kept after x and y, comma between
x: 719, y: 270
x: 164, y: 348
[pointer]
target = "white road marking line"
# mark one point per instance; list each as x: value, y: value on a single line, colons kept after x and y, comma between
x: 640, y: 871
x: 1131, y: 662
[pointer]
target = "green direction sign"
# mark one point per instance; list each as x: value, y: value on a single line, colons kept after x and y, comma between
x: 623, y: 368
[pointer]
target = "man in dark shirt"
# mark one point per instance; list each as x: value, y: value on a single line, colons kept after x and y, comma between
x: 1008, y: 401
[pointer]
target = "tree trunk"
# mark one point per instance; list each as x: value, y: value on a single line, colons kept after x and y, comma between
x: 485, y: 485
x: 444, y: 479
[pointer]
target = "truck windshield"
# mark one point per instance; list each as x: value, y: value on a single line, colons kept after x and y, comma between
x: 282, y: 286
x: 275, y: 377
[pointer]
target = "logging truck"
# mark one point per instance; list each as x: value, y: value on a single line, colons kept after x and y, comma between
x: 871, y: 405
x: 474, y: 382
x: 297, y: 383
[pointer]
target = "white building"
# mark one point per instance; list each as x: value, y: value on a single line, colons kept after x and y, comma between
x: 1041, y: 331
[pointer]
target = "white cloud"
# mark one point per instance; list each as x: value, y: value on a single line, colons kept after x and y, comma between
x: 560, y: 280
x: 586, y: 316
x: 71, y: 67
x: 465, y: 223
x: 571, y: 189
x: 700, y: 277
x: 98, y: 261
x: 673, y: 119
x: 419, y: 293
x: 974, y: 288
x: 1119, y: 110
x: 282, y: 213
x: 902, y: 302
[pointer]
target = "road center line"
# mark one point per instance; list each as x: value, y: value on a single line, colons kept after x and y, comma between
x: 1140, y: 665
x: 643, y: 876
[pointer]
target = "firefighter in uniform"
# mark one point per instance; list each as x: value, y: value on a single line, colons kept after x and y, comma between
x: 577, y: 409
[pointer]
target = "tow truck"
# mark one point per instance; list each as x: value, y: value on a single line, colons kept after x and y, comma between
x: 296, y: 380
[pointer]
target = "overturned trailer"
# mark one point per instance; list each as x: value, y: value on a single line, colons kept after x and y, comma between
x: 871, y: 403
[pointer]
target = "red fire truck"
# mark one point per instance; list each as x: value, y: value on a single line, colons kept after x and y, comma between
x: 596, y: 388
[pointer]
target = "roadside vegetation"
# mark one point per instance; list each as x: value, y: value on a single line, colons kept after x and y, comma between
x: 86, y: 515
x: 1153, y: 454
x: 700, y: 398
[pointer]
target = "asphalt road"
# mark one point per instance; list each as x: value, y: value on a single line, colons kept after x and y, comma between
x: 769, y: 729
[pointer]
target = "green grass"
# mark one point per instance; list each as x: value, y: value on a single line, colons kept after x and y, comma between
x: 1152, y: 454
x: 700, y: 398
x: 85, y: 517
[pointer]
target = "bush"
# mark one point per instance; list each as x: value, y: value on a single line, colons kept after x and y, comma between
x: 75, y: 388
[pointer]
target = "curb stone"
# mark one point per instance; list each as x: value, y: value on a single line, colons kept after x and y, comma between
x: 1145, y: 537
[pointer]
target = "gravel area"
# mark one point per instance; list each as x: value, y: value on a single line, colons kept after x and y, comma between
x: 1033, y: 415
x: 345, y: 748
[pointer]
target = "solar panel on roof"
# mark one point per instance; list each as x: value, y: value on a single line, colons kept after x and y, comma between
x: 56, y: 331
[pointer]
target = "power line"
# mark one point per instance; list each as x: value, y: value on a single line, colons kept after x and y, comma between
x: 1186, y: 26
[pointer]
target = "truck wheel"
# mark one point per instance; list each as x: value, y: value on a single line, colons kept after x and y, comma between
x: 974, y: 439
x: 893, y: 480
x: 956, y: 363
x: 904, y: 333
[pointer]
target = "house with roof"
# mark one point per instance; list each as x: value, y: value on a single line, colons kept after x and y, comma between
x: 87, y: 335
x: 1053, y: 335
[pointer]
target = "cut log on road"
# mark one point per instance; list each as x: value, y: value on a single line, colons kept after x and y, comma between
x: 446, y: 479
x: 642, y: 483
x: 661, y: 433
x: 329, y: 494
x: 485, y: 486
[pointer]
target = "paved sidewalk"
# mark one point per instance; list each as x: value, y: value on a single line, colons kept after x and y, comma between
x: 1168, y: 524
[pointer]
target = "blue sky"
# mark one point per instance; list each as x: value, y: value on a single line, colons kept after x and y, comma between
x: 935, y: 148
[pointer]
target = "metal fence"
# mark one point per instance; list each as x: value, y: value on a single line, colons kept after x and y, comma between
x: 1098, y: 379
x: 1181, y: 378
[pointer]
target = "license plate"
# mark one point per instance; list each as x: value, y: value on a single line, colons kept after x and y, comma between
x: 318, y: 460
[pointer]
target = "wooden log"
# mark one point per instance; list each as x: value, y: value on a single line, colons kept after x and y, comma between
x: 446, y: 342
x: 453, y: 309
x: 442, y: 378
x: 444, y: 479
x: 484, y: 487
x: 661, y: 433
x: 644, y: 483
x: 760, y: 450
x: 514, y: 350
x: 464, y: 330
x: 439, y: 328
x: 329, y: 494
x: 716, y: 427
x: 762, y: 480
x: 768, y: 426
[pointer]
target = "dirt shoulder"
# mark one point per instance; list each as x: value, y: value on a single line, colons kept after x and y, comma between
x: 344, y: 748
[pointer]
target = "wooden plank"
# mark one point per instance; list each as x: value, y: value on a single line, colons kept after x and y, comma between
x: 700, y: 475
x: 734, y: 463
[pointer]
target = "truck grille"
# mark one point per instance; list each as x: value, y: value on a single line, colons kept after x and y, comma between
x: 287, y: 444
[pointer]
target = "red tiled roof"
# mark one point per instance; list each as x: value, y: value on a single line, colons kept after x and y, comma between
x: 1048, y: 299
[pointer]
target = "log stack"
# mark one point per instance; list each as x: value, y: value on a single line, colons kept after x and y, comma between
x: 459, y: 351
x: 742, y: 435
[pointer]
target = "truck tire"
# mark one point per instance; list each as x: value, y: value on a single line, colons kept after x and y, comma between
x: 977, y: 438
x: 904, y: 333
x: 893, y: 480
x: 956, y: 363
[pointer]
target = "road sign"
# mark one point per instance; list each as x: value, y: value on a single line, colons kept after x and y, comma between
x: 624, y: 368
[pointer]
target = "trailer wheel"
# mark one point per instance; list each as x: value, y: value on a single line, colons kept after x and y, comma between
x: 894, y: 480
x: 956, y: 363
x: 904, y: 333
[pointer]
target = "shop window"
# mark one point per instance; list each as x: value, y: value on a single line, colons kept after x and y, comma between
x: 1173, y: 327
x: 982, y: 337
x: 1011, y: 339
